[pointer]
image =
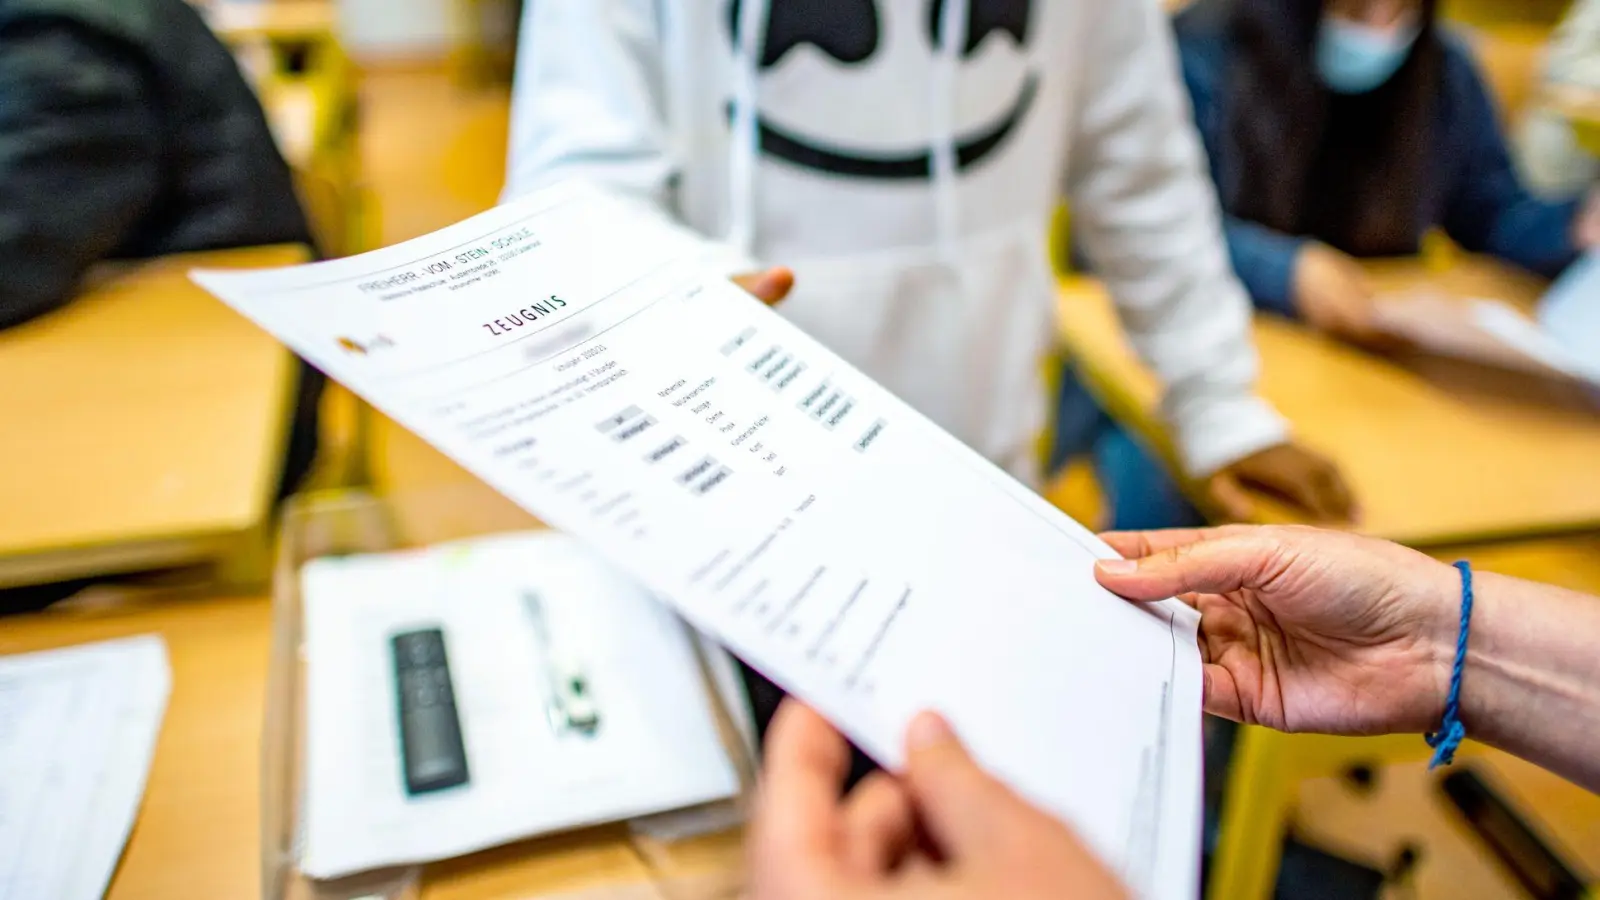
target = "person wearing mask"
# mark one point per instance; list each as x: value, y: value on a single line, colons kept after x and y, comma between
x: 128, y: 132
x: 905, y: 157
x: 1300, y: 630
x: 1345, y: 129
x: 1339, y: 130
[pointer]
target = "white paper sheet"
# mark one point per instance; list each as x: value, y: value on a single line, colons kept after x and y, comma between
x: 1569, y: 312
x: 77, y: 730
x: 570, y: 352
x: 656, y: 747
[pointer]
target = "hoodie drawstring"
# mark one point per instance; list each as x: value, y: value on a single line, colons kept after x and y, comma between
x: 944, y: 99
x: 746, y: 145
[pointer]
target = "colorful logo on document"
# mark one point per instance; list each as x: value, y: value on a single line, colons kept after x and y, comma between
x: 360, y: 348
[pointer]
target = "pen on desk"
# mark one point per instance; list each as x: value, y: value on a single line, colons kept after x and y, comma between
x: 569, y: 705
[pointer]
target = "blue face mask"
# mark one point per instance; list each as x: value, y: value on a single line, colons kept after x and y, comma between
x: 1355, y: 59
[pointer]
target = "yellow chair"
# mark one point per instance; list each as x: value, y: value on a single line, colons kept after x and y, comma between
x: 308, y: 87
x: 485, y: 49
x: 1266, y: 770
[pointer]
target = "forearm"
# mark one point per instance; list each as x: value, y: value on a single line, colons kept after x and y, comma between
x: 1532, y: 681
x: 1537, y: 235
x: 1264, y: 260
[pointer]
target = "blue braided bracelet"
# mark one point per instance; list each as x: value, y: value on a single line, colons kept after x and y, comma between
x: 1451, y: 732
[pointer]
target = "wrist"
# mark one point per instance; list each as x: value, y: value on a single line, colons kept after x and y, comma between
x: 1440, y: 630
x: 1482, y: 690
x: 1488, y: 684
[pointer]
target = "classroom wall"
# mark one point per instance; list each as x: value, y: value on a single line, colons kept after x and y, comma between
x: 400, y: 28
x: 413, y: 28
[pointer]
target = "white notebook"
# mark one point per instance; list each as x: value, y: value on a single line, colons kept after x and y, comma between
x: 517, y: 612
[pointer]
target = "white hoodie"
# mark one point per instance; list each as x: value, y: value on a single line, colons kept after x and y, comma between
x: 905, y: 158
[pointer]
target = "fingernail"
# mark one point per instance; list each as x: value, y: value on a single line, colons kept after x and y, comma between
x: 1117, y: 566
x: 926, y: 730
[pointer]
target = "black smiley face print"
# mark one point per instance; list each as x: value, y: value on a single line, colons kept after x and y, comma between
x: 850, y: 32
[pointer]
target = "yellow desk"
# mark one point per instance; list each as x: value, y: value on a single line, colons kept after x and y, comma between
x: 145, y: 425
x: 196, y: 835
x: 1437, y: 452
x: 198, y: 832
x: 1569, y: 561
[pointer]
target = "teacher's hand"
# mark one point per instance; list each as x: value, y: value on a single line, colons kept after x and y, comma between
x: 770, y: 286
x: 1301, y: 629
x: 943, y: 830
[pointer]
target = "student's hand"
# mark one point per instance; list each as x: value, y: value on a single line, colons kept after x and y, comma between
x: 1332, y: 294
x: 1586, y: 228
x: 944, y: 830
x: 1301, y: 629
x: 1310, y: 482
x: 770, y: 286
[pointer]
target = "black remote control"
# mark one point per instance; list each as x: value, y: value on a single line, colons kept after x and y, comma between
x: 431, y: 751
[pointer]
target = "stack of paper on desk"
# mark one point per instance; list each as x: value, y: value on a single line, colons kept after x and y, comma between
x: 656, y: 745
x: 1483, y: 331
x: 574, y: 355
x: 1570, y: 310
x: 77, y: 729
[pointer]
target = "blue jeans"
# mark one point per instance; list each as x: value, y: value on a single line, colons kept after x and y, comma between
x: 1139, y: 492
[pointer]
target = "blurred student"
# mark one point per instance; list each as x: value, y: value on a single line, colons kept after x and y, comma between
x: 126, y: 132
x: 1301, y: 630
x: 905, y: 158
x: 1346, y: 129
x: 1339, y: 130
x: 1548, y: 152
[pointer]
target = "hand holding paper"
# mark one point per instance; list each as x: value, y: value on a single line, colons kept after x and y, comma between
x: 805, y: 842
x: 569, y: 352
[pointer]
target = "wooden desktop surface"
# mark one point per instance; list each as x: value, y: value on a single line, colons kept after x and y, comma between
x: 198, y: 831
x: 196, y: 835
x: 145, y: 422
x: 1437, y: 452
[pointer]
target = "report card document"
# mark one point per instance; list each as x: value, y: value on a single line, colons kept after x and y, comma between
x: 575, y: 353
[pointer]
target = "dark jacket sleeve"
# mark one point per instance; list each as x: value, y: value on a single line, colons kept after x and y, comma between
x: 1487, y: 208
x: 79, y: 159
x: 1262, y: 257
